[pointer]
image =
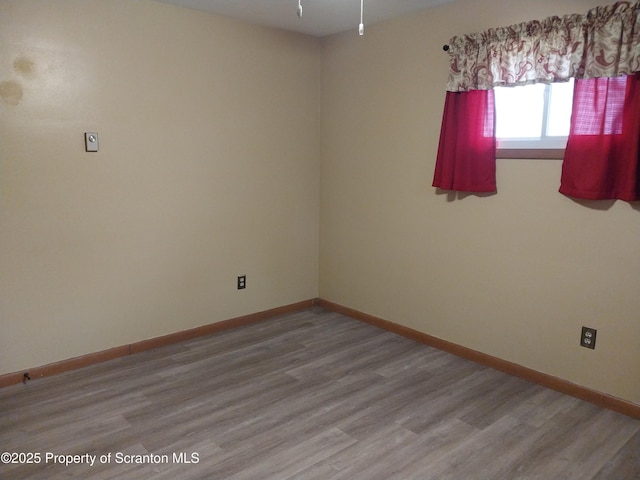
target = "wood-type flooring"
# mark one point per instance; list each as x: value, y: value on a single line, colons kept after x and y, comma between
x: 311, y: 395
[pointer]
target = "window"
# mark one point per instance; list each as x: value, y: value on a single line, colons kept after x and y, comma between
x: 532, y: 121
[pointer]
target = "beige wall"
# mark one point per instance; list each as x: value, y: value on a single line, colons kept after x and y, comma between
x: 208, y: 168
x: 513, y: 275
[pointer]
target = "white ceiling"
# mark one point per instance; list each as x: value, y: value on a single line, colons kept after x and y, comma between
x: 320, y: 17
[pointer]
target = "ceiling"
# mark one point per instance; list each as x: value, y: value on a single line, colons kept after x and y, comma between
x: 320, y: 17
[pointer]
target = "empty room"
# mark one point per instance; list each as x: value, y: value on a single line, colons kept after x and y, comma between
x: 320, y: 239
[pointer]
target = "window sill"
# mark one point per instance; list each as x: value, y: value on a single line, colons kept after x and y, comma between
x: 533, y: 153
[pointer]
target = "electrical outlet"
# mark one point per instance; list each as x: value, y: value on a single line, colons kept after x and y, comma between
x: 242, y: 282
x: 588, y: 337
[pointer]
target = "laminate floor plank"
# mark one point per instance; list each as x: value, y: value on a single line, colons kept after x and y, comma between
x: 602, y: 438
x: 359, y: 456
x: 310, y: 395
x: 625, y: 463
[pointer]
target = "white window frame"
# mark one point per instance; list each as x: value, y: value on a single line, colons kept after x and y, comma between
x: 543, y: 147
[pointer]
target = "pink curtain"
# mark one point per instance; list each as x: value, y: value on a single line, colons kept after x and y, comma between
x: 602, y: 158
x: 466, y: 158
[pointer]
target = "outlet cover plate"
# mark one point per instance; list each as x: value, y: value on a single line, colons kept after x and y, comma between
x: 91, y: 141
x: 588, y: 338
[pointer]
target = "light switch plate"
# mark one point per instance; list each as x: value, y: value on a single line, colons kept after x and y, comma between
x: 91, y: 141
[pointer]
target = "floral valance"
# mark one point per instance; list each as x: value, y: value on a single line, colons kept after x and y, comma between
x: 605, y: 42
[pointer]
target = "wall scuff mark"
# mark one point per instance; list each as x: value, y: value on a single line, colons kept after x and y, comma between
x: 11, y: 92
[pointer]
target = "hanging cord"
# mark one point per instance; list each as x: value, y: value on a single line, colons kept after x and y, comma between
x: 360, y: 27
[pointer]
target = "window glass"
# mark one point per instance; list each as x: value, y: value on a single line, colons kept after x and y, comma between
x: 519, y: 111
x: 560, y: 103
x: 534, y: 116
